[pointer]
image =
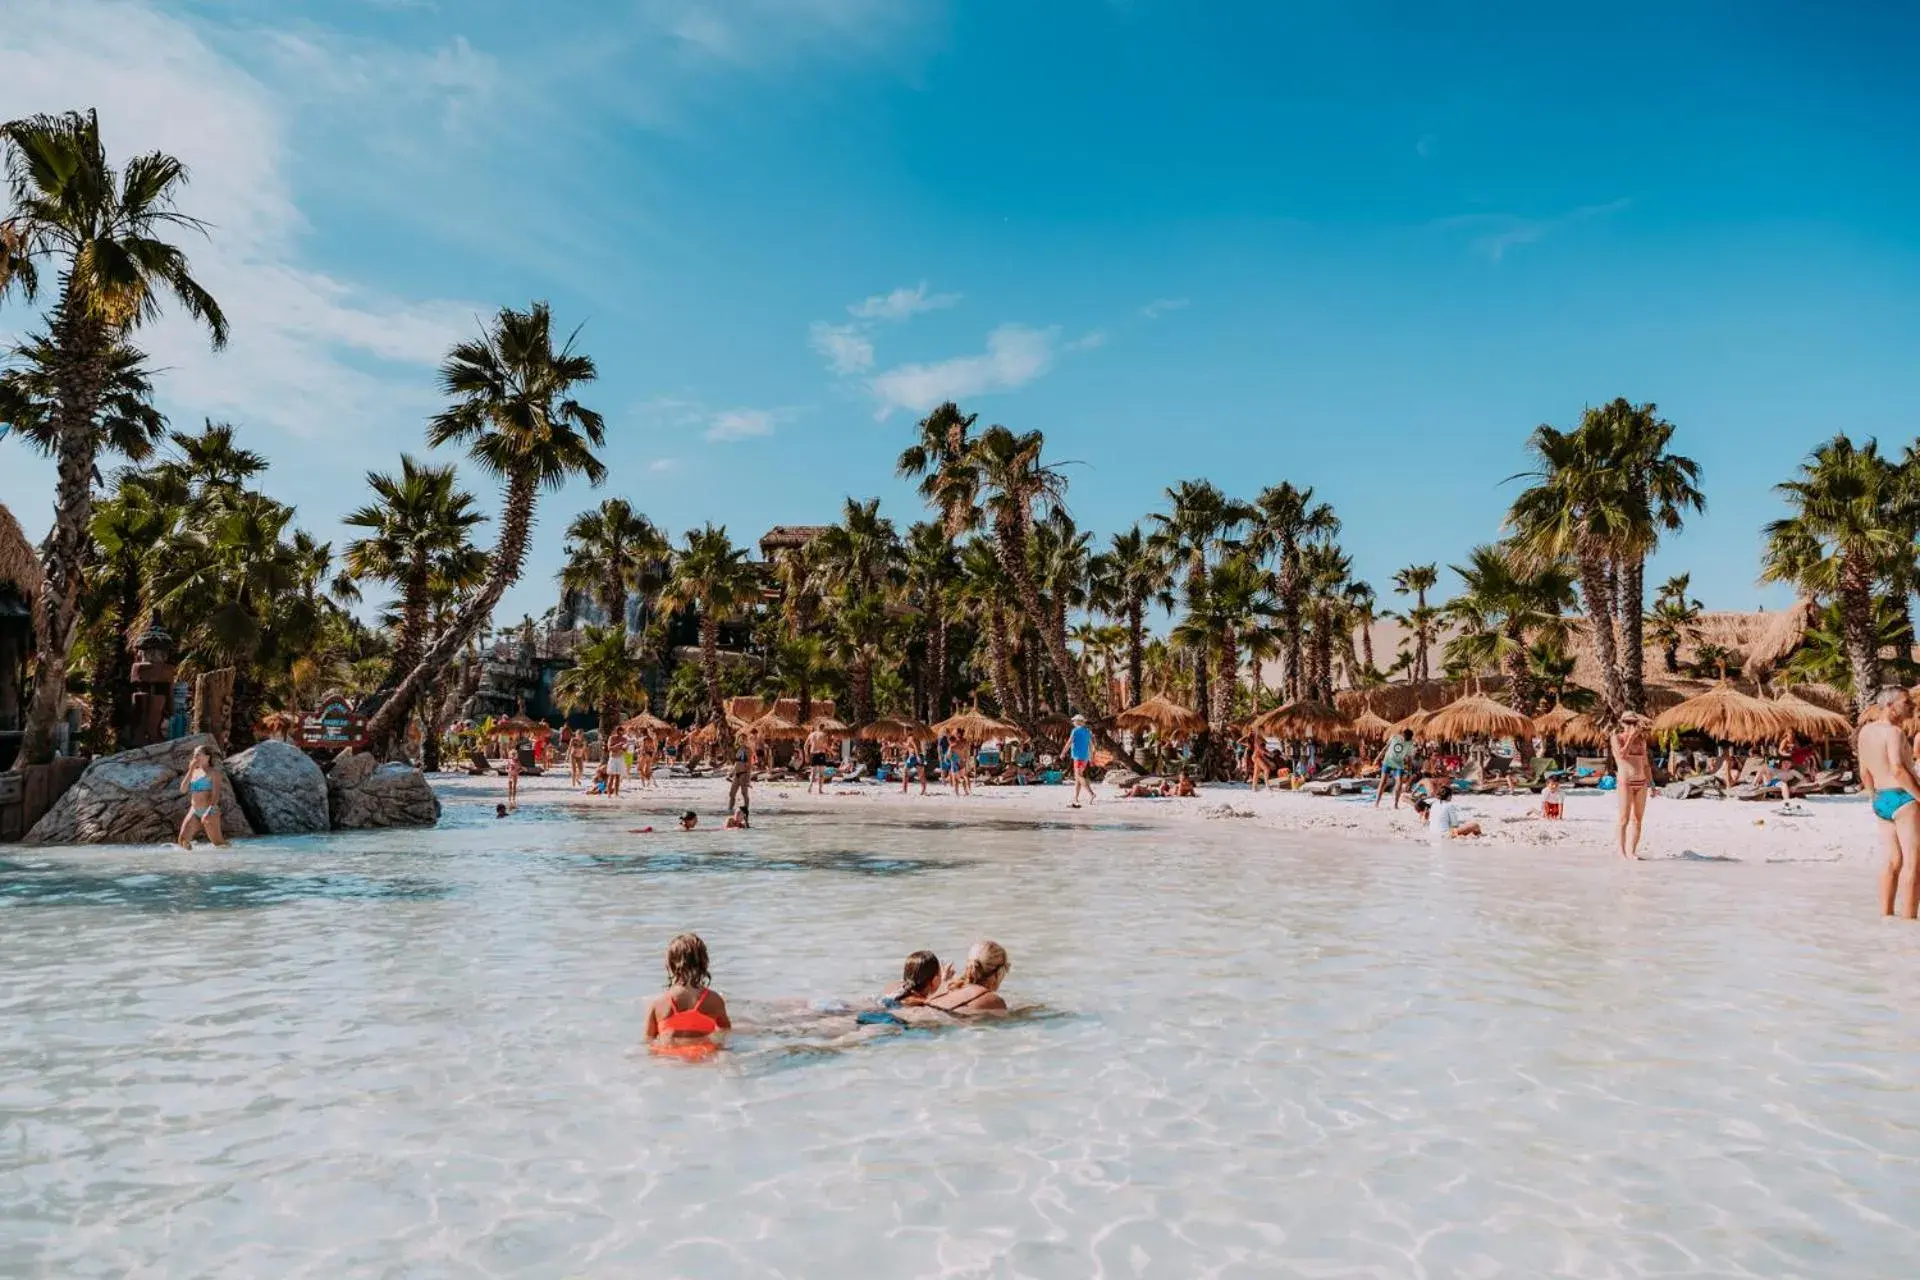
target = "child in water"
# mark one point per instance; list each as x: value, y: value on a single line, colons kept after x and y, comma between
x: 688, y: 1010
x: 920, y: 980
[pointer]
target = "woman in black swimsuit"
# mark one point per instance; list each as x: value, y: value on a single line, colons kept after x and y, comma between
x: 977, y: 989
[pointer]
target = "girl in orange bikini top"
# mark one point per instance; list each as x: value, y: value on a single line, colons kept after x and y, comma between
x: 688, y: 1010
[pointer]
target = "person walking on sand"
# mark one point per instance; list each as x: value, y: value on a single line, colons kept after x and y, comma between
x: 1396, y: 768
x: 1080, y: 752
x: 1634, y: 774
x: 1257, y: 768
x: 1886, y: 767
x: 817, y: 747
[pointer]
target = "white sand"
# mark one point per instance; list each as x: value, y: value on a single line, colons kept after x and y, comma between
x: 1836, y: 829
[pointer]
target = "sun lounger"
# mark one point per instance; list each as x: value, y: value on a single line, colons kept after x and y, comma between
x: 849, y: 773
x: 478, y: 764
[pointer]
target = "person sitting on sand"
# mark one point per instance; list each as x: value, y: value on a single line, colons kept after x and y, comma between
x: 1443, y: 819
x: 1147, y: 788
x: 1184, y: 786
x: 688, y: 1009
x: 1551, y: 805
x: 977, y: 988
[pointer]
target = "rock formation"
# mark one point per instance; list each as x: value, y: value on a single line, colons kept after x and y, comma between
x: 133, y: 798
x: 361, y: 793
x: 282, y: 790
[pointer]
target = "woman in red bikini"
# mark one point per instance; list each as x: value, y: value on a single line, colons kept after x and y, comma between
x: 688, y: 1013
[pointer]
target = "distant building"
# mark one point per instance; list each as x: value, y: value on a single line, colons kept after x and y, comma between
x: 788, y: 537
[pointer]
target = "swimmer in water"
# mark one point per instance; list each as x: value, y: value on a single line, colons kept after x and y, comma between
x: 688, y: 1010
x: 737, y: 820
x: 499, y: 811
x: 977, y: 989
x: 688, y: 821
x: 920, y: 979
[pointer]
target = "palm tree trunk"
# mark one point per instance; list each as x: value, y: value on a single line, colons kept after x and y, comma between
x: 1010, y: 545
x: 1136, y: 652
x: 1366, y: 639
x: 1598, y: 598
x: 413, y: 618
x: 509, y: 557
x: 1000, y: 667
x: 1857, y: 631
x: 710, y: 672
x: 1630, y: 607
x: 937, y: 660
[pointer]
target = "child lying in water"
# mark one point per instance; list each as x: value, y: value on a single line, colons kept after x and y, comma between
x: 920, y: 978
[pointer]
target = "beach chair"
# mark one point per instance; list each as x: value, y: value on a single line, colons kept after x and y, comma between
x: 848, y: 773
x: 478, y: 764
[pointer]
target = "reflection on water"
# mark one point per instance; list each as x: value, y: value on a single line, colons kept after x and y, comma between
x: 419, y: 1054
x: 47, y: 885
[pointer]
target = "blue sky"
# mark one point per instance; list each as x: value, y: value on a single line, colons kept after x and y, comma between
x: 1362, y: 246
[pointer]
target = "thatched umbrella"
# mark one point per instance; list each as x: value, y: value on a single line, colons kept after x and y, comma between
x: 1369, y: 726
x: 774, y: 727
x: 828, y: 725
x: 1581, y: 730
x: 975, y: 725
x: 647, y: 722
x: 1548, y: 724
x: 894, y: 729
x: 1811, y: 720
x: 1302, y: 718
x: 19, y: 566
x: 1476, y: 716
x: 514, y: 725
x: 1162, y: 715
x: 1415, y: 720
x: 1725, y: 714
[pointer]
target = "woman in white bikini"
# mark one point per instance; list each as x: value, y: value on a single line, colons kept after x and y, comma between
x: 201, y: 785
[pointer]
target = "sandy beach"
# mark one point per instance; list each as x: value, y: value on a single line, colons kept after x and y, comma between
x: 1833, y: 828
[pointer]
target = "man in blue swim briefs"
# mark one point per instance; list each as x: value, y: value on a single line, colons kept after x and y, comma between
x: 1080, y: 753
x: 1886, y: 769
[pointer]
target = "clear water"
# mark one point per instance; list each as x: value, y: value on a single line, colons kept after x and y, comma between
x: 416, y: 1055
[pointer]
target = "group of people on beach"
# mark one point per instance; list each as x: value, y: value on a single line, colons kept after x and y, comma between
x: 690, y: 1014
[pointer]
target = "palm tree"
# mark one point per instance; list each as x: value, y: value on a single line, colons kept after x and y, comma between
x: 611, y: 552
x: 1018, y: 485
x: 712, y: 577
x: 1661, y: 488
x: 861, y: 553
x: 1416, y: 580
x: 1674, y: 619
x: 603, y: 677
x: 128, y: 422
x: 1060, y: 556
x: 939, y: 457
x: 1201, y: 522
x: 1853, y: 517
x: 1361, y: 605
x: 1234, y: 600
x: 100, y: 230
x: 418, y: 518
x: 986, y: 595
x: 932, y: 569
x: 514, y: 408
x: 129, y: 527
x: 1324, y: 572
x: 799, y: 665
x: 1128, y: 577
x: 1579, y: 509
x: 1506, y: 604
x: 1287, y: 517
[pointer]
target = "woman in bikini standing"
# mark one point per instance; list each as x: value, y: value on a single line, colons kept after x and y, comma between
x: 977, y: 989
x: 1634, y: 772
x: 201, y: 784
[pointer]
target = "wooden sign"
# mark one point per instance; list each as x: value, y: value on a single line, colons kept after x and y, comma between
x: 334, y: 726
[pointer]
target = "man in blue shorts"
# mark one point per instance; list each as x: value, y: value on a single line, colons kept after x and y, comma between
x: 1396, y: 768
x: 1080, y: 753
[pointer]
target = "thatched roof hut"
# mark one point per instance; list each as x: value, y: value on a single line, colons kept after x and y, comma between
x: 1162, y: 715
x: 1302, y: 718
x: 19, y: 565
x: 1369, y: 727
x: 894, y: 729
x: 1811, y: 720
x: 976, y: 725
x: 1725, y: 714
x: 1476, y: 716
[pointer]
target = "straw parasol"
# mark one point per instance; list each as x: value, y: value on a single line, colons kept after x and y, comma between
x: 974, y: 724
x: 1415, y: 720
x: 1477, y: 716
x: 1301, y: 718
x: 1548, y: 724
x: 1581, y: 730
x: 1726, y: 715
x: 647, y: 722
x: 828, y: 725
x: 774, y: 727
x: 894, y: 729
x: 1811, y: 720
x: 1370, y: 727
x: 19, y: 566
x: 513, y: 725
x: 1162, y: 715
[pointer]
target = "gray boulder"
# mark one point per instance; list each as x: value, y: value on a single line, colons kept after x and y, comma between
x: 282, y: 790
x: 361, y: 793
x: 134, y: 798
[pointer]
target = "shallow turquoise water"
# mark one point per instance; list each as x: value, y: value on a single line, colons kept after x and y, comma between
x: 416, y: 1054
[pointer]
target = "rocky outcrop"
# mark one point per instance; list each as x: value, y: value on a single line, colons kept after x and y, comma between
x: 361, y: 793
x: 282, y: 790
x: 133, y: 798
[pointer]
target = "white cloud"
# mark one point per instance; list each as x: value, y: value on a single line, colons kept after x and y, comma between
x: 901, y: 303
x: 296, y: 361
x: 1493, y: 234
x: 663, y: 464
x: 848, y: 350
x: 1088, y: 341
x: 744, y: 424
x: 1015, y: 356
x: 1160, y: 306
